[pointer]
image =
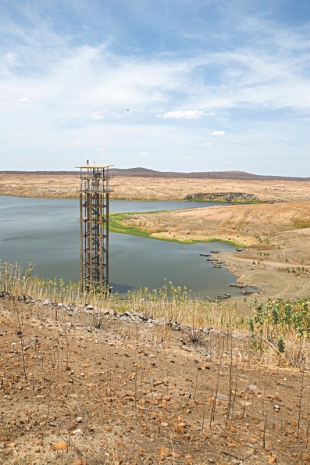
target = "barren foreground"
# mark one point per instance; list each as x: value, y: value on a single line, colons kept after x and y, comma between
x: 134, y: 391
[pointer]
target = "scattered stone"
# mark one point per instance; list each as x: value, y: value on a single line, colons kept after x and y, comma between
x: 252, y: 388
x: 60, y: 446
x: 272, y: 459
x: 179, y: 428
x: 164, y: 452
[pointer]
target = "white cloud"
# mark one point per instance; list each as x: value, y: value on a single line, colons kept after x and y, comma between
x: 217, y: 133
x: 23, y: 99
x: 97, y: 116
x: 70, y: 85
x: 182, y: 114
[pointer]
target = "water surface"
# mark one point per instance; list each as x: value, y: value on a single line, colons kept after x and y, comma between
x: 46, y: 231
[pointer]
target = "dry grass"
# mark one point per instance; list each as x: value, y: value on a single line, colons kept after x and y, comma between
x: 144, y: 392
x: 36, y: 185
x: 243, y: 224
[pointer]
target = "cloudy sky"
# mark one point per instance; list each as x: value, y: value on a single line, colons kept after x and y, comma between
x: 182, y: 85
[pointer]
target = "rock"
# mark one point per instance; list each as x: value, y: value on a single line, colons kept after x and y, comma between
x: 71, y: 426
x: 79, y: 419
x: 158, y: 383
x: 126, y: 314
x: 87, y: 328
x: 79, y: 462
x: 272, y: 459
x: 252, y: 388
x: 178, y: 428
x: 60, y: 446
x: 223, y: 196
x: 34, y: 341
x: 164, y: 452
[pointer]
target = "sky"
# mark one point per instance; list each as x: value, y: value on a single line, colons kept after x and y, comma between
x: 169, y: 85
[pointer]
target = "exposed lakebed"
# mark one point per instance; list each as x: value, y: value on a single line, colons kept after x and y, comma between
x: 46, y: 231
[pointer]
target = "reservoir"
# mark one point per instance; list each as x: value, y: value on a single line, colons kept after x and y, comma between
x: 46, y: 231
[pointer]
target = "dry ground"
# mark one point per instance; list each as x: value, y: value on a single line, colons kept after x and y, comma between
x: 276, y: 259
x: 139, y: 393
x: 147, y: 188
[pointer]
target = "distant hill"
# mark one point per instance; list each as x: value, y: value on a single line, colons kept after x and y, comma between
x: 144, y: 172
x: 204, y: 174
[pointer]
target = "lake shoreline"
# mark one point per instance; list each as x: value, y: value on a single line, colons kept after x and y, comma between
x: 275, y: 267
x: 274, y: 262
x: 47, y: 231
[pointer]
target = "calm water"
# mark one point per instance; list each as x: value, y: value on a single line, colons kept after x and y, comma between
x: 47, y: 231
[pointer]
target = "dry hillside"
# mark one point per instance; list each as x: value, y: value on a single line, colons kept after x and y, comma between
x: 136, y: 391
x: 157, y: 188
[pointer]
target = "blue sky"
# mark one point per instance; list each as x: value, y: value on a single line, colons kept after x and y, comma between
x: 171, y: 85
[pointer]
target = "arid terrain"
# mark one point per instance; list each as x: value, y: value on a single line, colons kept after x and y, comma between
x: 85, y: 386
x: 148, y: 188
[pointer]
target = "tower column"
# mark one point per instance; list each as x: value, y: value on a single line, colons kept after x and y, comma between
x: 94, y: 226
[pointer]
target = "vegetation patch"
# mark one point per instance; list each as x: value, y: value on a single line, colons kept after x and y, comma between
x: 301, y: 223
x: 235, y: 197
x: 118, y: 225
x: 278, y: 331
